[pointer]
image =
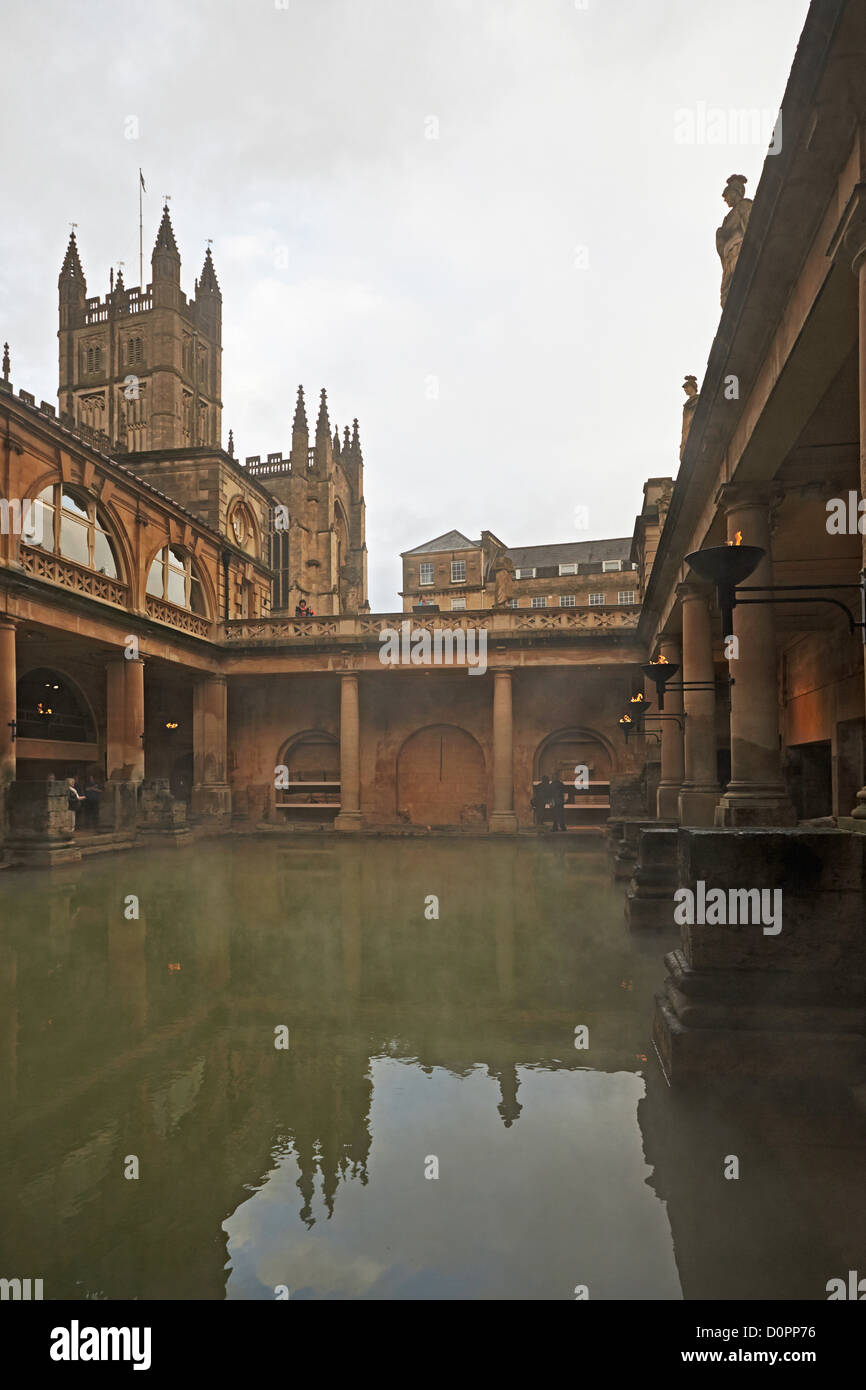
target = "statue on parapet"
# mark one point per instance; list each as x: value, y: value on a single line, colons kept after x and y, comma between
x: 690, y: 386
x: 504, y: 572
x: 729, y: 237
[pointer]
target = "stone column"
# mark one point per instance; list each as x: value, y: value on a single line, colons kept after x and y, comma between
x: 756, y: 794
x: 349, y: 817
x: 211, y: 794
x: 667, y: 797
x: 503, y: 819
x: 855, y: 243
x: 8, y: 701
x: 125, y: 719
x: 700, y: 790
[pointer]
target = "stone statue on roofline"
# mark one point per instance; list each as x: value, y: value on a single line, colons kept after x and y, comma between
x: 729, y: 237
x: 690, y: 386
x: 504, y: 571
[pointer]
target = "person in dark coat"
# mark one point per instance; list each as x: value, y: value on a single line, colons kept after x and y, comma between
x: 541, y: 800
x: 557, y: 798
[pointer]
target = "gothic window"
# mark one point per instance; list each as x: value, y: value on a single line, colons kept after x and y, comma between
x: 90, y: 359
x: 74, y: 528
x: 97, y: 359
x: 278, y: 558
x: 173, y: 578
x: 138, y: 349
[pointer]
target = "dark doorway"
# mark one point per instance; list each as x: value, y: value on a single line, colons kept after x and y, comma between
x: 810, y: 779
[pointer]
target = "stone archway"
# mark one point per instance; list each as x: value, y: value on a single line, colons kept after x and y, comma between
x: 564, y: 751
x: 441, y: 778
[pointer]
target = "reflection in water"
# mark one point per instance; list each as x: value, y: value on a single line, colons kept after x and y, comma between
x: 410, y: 1041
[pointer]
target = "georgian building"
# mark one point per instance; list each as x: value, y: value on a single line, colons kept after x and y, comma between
x: 454, y: 573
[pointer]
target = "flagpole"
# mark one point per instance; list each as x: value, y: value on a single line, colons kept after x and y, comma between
x: 140, y: 240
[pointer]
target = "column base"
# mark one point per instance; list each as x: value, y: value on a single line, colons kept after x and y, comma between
x: 668, y: 801
x: 503, y: 823
x: 212, y: 802
x: 351, y: 821
x: 754, y: 809
x: 697, y: 805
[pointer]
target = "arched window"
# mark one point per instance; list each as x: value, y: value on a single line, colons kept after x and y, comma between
x: 138, y: 349
x: 130, y: 351
x: 49, y: 706
x: 173, y: 578
x: 75, y: 528
x: 97, y: 359
x: 90, y: 359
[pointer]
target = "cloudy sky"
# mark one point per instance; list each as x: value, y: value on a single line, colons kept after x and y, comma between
x: 486, y: 226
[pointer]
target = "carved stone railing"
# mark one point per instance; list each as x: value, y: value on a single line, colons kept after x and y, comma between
x: 623, y: 616
x: 181, y: 618
x: 42, y: 565
x: 501, y: 623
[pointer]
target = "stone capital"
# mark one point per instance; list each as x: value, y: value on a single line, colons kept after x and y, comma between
x: 763, y: 495
x: 849, y: 239
x: 691, y: 589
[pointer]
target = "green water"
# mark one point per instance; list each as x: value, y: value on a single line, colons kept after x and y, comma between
x: 151, y: 1042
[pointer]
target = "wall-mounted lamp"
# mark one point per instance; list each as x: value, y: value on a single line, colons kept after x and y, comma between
x: 660, y: 672
x: 727, y: 566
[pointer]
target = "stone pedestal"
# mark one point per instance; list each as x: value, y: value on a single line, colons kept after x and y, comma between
x: 756, y: 794
x: 41, y: 825
x: 118, y: 805
x: 503, y: 819
x: 699, y: 794
x: 779, y: 1006
x: 349, y: 817
x: 159, y: 812
x: 649, y: 901
x: 626, y: 854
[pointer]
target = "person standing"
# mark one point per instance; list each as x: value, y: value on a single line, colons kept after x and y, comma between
x: 541, y: 800
x: 557, y: 798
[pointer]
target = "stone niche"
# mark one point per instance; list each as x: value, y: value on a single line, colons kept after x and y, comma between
x: 41, y: 825
x: 786, y: 1006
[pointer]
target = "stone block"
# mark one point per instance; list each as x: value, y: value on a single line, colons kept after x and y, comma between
x: 41, y: 824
